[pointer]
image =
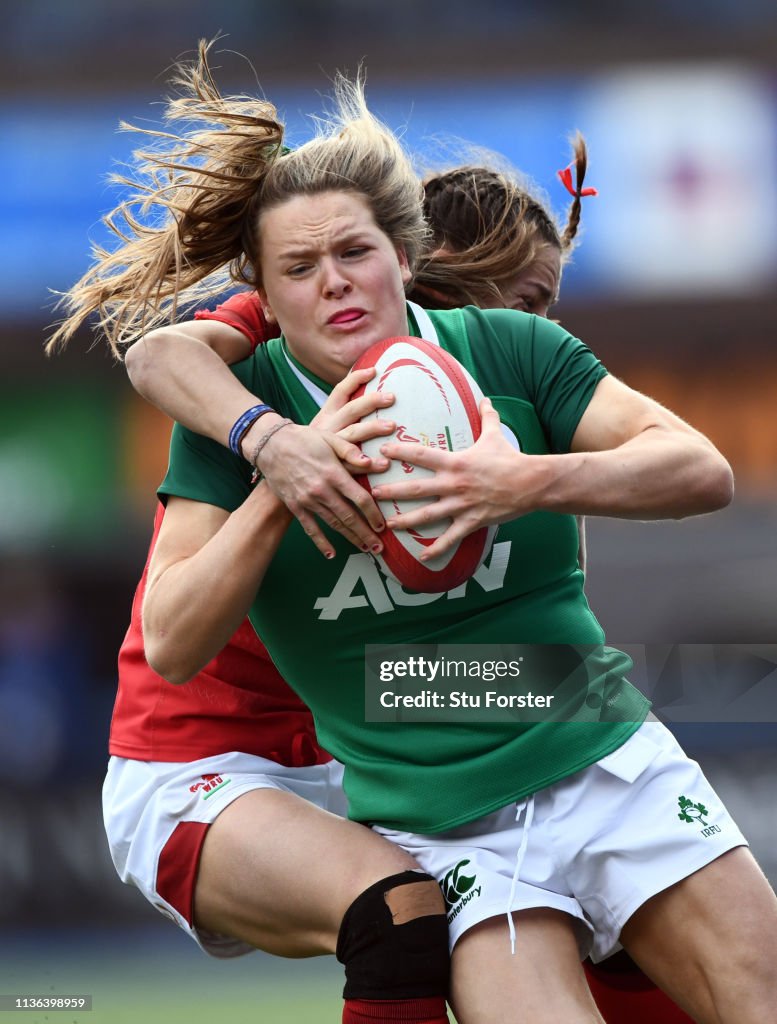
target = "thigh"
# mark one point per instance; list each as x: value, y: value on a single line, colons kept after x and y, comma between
x: 711, y: 941
x: 541, y: 983
x: 481, y: 878
x: 278, y: 872
x: 626, y: 832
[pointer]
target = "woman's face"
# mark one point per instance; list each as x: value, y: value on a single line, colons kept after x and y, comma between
x: 536, y: 289
x: 331, y: 279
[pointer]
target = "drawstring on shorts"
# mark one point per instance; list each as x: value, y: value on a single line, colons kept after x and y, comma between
x: 528, y: 807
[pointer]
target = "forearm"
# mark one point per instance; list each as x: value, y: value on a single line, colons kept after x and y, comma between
x: 190, y: 382
x: 193, y: 605
x: 183, y: 371
x: 659, y: 474
x: 630, y: 459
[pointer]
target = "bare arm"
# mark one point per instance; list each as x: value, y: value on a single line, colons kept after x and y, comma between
x: 630, y: 458
x: 205, y: 570
x: 208, y: 564
x: 638, y: 460
x: 183, y: 371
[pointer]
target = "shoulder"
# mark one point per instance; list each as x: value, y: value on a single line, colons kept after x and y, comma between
x: 494, y: 323
x: 511, y: 324
x: 525, y: 335
x: 488, y: 333
x: 491, y: 340
x: 243, y: 311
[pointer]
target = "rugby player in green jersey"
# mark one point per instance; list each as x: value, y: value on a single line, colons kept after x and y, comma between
x: 589, y: 445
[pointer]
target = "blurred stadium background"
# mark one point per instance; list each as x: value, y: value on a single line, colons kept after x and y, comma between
x: 673, y: 285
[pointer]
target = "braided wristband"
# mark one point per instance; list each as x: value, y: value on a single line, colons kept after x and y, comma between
x: 243, y: 423
x: 259, y: 447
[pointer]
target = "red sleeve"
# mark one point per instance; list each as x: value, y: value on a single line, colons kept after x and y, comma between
x: 243, y: 311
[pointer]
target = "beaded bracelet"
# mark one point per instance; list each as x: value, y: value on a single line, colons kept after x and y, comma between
x: 260, y: 445
x: 243, y: 423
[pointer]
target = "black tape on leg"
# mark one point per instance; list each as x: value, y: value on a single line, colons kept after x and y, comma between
x: 393, y: 940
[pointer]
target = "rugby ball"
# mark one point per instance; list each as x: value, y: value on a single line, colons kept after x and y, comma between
x: 436, y: 404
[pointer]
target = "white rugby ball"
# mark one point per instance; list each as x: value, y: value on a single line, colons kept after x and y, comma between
x: 436, y: 404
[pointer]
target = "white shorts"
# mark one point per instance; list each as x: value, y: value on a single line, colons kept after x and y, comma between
x: 596, y: 845
x: 157, y: 813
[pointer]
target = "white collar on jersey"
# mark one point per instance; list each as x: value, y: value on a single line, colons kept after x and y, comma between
x: 424, y: 322
x: 319, y: 396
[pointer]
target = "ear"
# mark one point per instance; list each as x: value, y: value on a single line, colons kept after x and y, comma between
x: 404, y: 266
x: 266, y: 308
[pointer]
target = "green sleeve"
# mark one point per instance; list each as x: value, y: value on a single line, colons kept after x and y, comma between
x: 534, y: 360
x: 203, y: 470
x: 564, y: 376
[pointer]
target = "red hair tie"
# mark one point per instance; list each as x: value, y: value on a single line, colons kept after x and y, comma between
x: 565, y: 177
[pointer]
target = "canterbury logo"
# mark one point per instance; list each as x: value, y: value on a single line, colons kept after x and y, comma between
x: 455, y: 885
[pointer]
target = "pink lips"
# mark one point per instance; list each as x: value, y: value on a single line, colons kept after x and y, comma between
x: 345, y: 316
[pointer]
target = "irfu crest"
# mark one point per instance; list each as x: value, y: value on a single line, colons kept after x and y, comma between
x: 691, y: 812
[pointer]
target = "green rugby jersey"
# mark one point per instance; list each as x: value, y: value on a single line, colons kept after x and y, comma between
x: 316, y: 615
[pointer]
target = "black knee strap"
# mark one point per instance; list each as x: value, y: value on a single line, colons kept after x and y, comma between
x: 384, y: 960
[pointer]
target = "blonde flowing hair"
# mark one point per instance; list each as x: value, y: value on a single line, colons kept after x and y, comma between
x: 191, y: 221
